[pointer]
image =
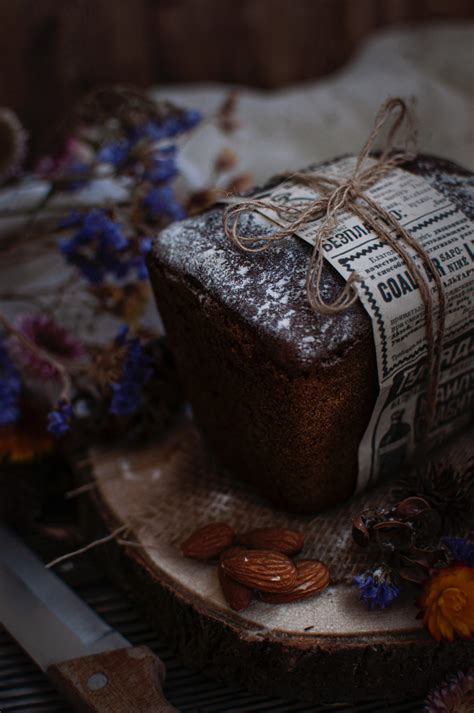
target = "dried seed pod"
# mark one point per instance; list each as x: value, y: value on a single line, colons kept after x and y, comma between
x: 410, y: 508
x: 413, y: 573
x: 428, y: 525
x: 360, y: 533
x: 393, y: 535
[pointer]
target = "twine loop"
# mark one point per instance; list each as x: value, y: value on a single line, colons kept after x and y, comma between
x: 349, y: 194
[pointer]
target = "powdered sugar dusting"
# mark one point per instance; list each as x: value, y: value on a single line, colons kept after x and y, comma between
x: 267, y: 289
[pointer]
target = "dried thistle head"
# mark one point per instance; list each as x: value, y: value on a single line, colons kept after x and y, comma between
x: 449, y: 490
x: 13, y: 139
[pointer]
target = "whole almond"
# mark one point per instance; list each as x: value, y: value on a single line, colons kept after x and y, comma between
x: 261, y: 569
x: 231, y: 551
x: 277, y: 539
x: 209, y: 541
x: 312, y: 577
x: 237, y: 596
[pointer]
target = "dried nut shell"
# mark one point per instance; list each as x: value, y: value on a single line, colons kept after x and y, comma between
x: 414, y: 573
x: 209, y: 541
x: 427, y: 524
x: 277, y: 539
x: 312, y: 577
x: 261, y: 569
x: 409, y: 508
x: 360, y: 533
x: 393, y: 535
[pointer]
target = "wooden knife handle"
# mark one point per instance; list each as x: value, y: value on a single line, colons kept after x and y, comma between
x: 119, y: 681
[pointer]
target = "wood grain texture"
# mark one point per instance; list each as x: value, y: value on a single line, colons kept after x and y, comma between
x: 118, y: 681
x: 53, y: 52
x: 281, y: 651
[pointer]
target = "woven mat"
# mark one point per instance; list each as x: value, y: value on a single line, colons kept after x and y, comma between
x: 173, y: 488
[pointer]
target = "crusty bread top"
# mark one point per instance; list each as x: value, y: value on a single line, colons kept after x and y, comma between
x: 266, y: 290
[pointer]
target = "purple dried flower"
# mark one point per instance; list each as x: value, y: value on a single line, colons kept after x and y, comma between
x: 136, y: 371
x: 59, y: 419
x: 161, y: 201
x: 455, y: 695
x: 73, y: 166
x: 461, y: 549
x: 10, y: 388
x: 115, y: 152
x: 161, y: 165
x: 98, y: 248
x: 377, y: 590
x: 50, y: 337
x: 173, y: 125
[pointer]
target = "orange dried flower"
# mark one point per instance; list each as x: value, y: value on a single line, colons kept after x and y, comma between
x: 447, y: 603
x: 27, y: 439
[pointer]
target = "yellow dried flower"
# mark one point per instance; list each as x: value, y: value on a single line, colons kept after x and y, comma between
x: 447, y: 603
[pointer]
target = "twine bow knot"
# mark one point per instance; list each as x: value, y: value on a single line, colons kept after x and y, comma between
x: 335, y: 195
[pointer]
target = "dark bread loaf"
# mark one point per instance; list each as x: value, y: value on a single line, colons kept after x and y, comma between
x: 281, y: 394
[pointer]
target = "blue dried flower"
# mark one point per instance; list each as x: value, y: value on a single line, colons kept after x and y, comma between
x: 172, y: 126
x: 136, y: 371
x: 116, y: 153
x: 77, y: 168
x: 377, y: 590
x: 59, y: 419
x: 97, y: 248
x: 162, y: 165
x: 145, y: 245
x: 461, y: 549
x: 182, y: 122
x: 10, y: 388
x: 122, y: 334
x: 161, y: 201
x: 191, y: 118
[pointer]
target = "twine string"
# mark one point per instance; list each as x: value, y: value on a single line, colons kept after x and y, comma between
x: 349, y: 194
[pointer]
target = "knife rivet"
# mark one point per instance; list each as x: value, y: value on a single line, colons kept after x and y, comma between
x: 97, y: 681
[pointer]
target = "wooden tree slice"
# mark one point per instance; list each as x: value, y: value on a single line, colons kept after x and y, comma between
x: 325, y: 649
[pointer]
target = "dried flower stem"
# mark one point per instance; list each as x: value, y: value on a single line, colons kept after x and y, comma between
x: 29, y: 299
x: 103, y: 540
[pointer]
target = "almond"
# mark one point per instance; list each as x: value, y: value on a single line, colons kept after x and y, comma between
x: 261, y: 569
x: 277, y: 539
x: 237, y: 596
x: 208, y: 541
x: 312, y: 576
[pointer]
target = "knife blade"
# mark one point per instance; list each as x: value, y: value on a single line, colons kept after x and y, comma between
x: 93, y: 665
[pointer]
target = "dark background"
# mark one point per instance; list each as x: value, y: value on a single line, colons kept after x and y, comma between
x: 53, y: 51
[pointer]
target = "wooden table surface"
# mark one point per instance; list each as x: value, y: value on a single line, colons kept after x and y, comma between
x: 25, y: 689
